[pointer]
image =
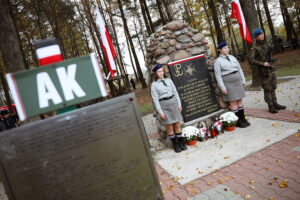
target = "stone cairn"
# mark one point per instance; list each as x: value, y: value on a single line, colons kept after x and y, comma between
x: 175, y: 41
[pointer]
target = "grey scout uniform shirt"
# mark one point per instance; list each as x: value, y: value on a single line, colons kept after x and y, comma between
x: 223, y: 67
x: 159, y: 90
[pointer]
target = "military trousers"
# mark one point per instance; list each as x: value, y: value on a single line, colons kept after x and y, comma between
x: 269, y: 85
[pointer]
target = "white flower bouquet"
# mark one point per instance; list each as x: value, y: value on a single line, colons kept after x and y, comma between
x: 228, y: 119
x: 190, y: 132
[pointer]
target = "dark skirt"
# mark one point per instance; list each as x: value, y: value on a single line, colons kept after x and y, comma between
x: 170, y: 109
x: 234, y: 86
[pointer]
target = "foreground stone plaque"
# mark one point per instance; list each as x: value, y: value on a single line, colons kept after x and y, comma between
x: 94, y: 153
x: 194, y: 86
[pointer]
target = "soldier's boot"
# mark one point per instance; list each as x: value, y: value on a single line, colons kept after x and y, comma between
x: 175, y: 142
x: 240, y: 122
x: 181, y: 141
x: 272, y: 108
x: 242, y: 114
x: 279, y: 107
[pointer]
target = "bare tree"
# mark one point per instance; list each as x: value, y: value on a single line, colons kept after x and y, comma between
x: 212, y: 7
x: 10, y: 47
x: 289, y: 28
x: 271, y: 26
x: 141, y: 77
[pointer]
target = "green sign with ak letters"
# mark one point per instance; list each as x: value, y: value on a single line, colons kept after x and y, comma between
x: 56, y: 86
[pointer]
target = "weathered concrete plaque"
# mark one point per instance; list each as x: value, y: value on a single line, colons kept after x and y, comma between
x: 95, y: 153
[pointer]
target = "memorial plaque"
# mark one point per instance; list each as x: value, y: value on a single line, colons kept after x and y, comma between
x: 194, y: 86
x: 94, y: 153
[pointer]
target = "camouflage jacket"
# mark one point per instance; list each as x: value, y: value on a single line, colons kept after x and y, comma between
x: 259, y: 54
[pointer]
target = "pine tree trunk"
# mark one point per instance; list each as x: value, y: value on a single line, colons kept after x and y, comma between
x: 210, y: 25
x: 228, y: 24
x: 41, y: 28
x: 287, y: 20
x: 213, y: 9
x: 166, y: 5
x: 250, y: 15
x: 148, y: 15
x: 149, y: 30
x: 271, y: 26
x: 235, y: 41
x: 161, y: 13
x: 10, y: 47
x: 33, y: 52
x: 131, y: 60
x: 298, y: 15
x: 259, y: 15
x: 139, y: 40
x: 82, y: 29
x: 14, y: 18
x: 55, y: 27
x: 141, y: 77
x: 141, y: 25
x: 188, y: 17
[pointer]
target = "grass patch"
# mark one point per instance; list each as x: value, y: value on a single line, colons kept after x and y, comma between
x: 288, y: 71
x: 146, y: 108
x: 291, y: 71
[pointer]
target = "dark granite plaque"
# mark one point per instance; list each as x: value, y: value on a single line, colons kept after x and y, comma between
x: 94, y: 153
x: 194, y: 86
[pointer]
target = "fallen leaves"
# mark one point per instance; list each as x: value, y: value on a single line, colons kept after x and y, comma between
x: 200, y: 172
x: 266, y: 168
x: 247, y: 196
x: 170, y: 188
x: 275, y: 125
x: 272, y: 198
x: 278, y: 160
x: 252, y: 187
x: 220, y: 181
x: 208, y: 183
x: 226, y: 178
x: 283, y: 184
x: 226, y: 157
x: 251, y: 182
x: 266, y: 141
x: 194, y: 192
x: 297, y: 135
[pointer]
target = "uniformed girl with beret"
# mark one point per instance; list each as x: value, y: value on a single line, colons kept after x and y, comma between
x: 168, y: 106
x: 231, y: 81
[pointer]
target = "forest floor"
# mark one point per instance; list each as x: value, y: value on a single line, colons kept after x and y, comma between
x: 287, y: 64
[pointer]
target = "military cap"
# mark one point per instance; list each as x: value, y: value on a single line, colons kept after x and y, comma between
x: 157, y: 67
x: 221, y: 45
x: 257, y: 32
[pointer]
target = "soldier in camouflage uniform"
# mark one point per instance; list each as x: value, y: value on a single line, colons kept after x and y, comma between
x: 266, y: 70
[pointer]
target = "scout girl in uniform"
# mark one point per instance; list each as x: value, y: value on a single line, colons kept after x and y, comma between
x: 168, y: 106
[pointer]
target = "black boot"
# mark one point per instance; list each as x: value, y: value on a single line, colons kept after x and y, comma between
x: 181, y: 141
x: 175, y: 142
x: 240, y: 122
x: 272, y: 108
x: 242, y: 113
x: 279, y: 107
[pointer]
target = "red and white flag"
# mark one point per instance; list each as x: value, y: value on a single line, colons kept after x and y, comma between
x: 107, y: 45
x: 48, y: 51
x: 237, y: 13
